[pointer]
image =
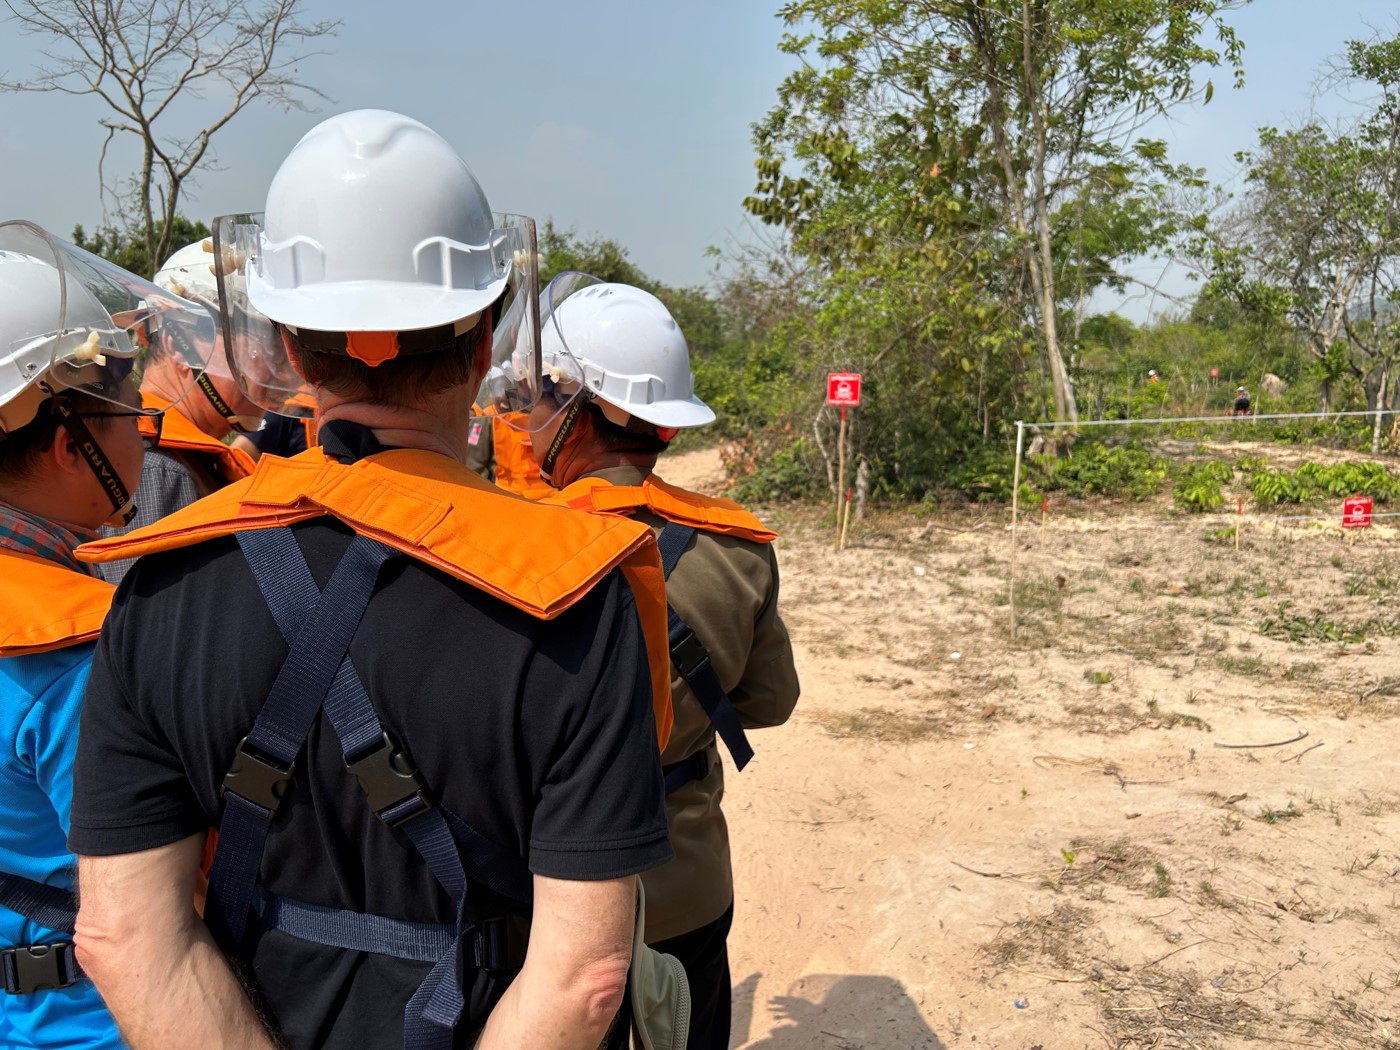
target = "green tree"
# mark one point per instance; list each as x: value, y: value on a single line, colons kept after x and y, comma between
x: 130, y: 249
x: 1316, y: 238
x: 1008, y: 128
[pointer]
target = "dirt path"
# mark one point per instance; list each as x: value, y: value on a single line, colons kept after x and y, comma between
x: 965, y: 839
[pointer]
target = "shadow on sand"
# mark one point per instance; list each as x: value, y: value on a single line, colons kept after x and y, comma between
x: 850, y: 1012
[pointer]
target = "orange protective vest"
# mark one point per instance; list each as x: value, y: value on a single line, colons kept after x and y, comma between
x: 177, y: 432
x: 45, y: 606
x: 706, y: 513
x: 540, y: 559
x: 516, y: 469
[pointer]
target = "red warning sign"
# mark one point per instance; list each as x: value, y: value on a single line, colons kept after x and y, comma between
x: 1356, y: 512
x: 843, y: 389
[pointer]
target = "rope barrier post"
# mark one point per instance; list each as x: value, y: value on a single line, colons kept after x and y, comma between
x: 1015, y: 508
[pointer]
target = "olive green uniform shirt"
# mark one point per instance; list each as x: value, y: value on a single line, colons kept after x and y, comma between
x: 726, y: 589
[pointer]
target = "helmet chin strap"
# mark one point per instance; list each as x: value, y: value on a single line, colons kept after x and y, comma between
x: 241, y: 424
x: 561, y: 436
x: 123, y: 507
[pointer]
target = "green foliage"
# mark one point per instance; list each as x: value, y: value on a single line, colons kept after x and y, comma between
x: 1272, y: 487
x: 127, y: 248
x: 785, y: 474
x: 1313, y: 481
x: 1199, y: 487
x: 1120, y: 472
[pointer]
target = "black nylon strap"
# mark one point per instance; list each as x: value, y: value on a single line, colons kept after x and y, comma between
x: 48, y: 906
x: 692, y: 661
x: 97, y: 459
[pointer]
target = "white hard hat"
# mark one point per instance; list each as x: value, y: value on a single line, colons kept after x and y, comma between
x: 632, y: 355
x: 189, y: 273
x: 54, y: 333
x: 375, y: 224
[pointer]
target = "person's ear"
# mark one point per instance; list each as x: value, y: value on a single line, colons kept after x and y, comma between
x: 63, y: 454
x: 483, y: 344
x: 293, y: 352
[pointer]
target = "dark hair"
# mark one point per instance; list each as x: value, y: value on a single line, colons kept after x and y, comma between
x: 21, y: 450
x: 637, y: 436
x: 400, y: 379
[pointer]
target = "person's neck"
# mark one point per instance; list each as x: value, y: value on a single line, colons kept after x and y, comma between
x: 47, y: 501
x: 592, y: 461
x: 431, y: 427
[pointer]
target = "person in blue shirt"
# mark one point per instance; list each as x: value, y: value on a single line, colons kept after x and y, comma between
x: 70, y: 455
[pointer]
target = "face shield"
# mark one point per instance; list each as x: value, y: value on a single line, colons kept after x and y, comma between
x: 189, y: 274
x: 256, y: 348
x: 64, y: 319
x: 526, y: 372
x: 101, y: 319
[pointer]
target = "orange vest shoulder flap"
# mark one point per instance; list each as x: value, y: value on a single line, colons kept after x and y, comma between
x: 45, y: 606
x: 706, y: 513
x: 538, y: 558
x: 178, y: 432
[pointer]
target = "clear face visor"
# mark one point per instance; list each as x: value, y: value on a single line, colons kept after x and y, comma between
x: 103, y: 321
x: 257, y: 353
x: 254, y: 353
x: 542, y: 373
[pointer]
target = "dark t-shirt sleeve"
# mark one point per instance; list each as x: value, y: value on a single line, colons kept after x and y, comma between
x: 601, y: 811
x: 130, y: 792
x: 280, y: 436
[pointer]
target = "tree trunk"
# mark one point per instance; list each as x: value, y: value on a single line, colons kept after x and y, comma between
x: 1379, y: 406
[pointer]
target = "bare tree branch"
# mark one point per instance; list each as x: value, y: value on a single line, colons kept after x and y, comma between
x: 139, y: 59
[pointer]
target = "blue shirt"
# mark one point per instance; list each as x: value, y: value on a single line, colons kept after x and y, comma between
x: 41, y: 696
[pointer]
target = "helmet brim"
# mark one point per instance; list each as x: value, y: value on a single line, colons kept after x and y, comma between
x: 691, y: 412
x: 369, y: 306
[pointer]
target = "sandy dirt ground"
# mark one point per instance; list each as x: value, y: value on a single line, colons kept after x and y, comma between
x: 1056, y: 839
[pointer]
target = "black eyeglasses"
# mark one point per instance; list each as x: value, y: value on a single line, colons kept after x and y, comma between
x: 156, y: 416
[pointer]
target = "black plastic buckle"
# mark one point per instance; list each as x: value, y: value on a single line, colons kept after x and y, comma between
x: 501, y: 944
x: 388, y: 778
x: 258, y: 779
x: 689, y: 654
x: 33, y: 967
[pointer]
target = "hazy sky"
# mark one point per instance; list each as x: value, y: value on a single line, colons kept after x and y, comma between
x: 628, y: 119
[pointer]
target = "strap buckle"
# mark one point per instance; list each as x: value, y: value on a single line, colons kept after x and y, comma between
x: 389, y: 780
x: 689, y: 654
x: 33, y: 967
x: 501, y: 943
x: 258, y: 779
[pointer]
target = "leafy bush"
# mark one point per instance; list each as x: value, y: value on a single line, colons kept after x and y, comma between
x: 1199, y: 487
x: 1272, y: 487
x: 785, y: 473
x: 1350, y: 479
x: 1123, y: 472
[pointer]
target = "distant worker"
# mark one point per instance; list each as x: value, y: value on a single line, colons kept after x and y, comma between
x: 732, y: 665
x: 185, y: 348
x: 1152, y: 376
x: 70, y: 455
x: 1241, y: 401
x: 500, y: 451
x: 431, y: 750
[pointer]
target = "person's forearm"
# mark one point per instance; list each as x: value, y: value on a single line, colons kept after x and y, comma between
x: 173, y: 996
x: 153, y: 959
x: 537, y: 1012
